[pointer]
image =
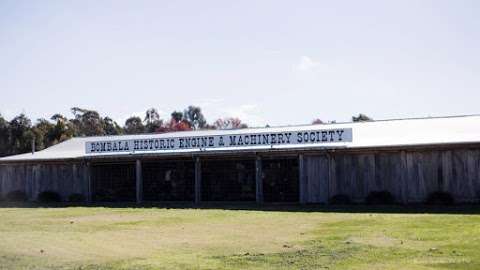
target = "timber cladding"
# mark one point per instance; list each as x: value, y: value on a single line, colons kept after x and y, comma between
x: 409, y: 175
x: 64, y: 178
x: 295, y: 176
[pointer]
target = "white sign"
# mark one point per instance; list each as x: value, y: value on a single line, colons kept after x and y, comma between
x: 159, y: 144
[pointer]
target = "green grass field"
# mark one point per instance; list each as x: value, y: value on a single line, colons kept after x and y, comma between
x: 162, y: 238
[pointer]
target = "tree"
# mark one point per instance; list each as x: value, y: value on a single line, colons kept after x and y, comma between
x: 63, y: 130
x: 134, y: 125
x: 194, y: 116
x: 154, y: 126
x: 21, y: 134
x: 87, y: 122
x: 92, y: 124
x: 361, y: 118
x: 43, y: 131
x: 77, y: 110
x: 58, y: 117
x: 176, y: 123
x: 177, y: 116
x: 317, y: 121
x: 111, y: 127
x: 212, y: 127
x: 179, y: 126
x: 4, y: 137
x: 152, y: 120
x: 229, y: 123
x: 151, y: 115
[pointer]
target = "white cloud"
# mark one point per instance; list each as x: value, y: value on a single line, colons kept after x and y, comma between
x: 306, y: 63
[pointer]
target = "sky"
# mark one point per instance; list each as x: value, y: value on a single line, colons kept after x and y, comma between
x: 266, y: 62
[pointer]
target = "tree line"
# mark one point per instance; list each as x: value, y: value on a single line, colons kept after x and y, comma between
x: 17, y: 136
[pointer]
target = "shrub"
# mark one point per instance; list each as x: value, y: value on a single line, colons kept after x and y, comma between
x: 16, y: 196
x: 104, y: 196
x: 440, y: 198
x: 49, y: 197
x: 76, y: 197
x: 380, y: 197
x: 340, y: 199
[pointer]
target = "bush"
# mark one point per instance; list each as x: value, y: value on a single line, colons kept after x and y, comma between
x: 76, y: 197
x: 380, y: 197
x: 16, y: 196
x: 49, y: 197
x: 104, y: 196
x: 340, y: 199
x: 440, y: 198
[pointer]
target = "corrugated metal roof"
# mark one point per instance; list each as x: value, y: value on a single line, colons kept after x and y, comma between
x: 384, y: 133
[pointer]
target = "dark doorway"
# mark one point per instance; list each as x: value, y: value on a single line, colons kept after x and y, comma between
x: 280, y: 180
x: 228, y: 180
x: 113, y: 182
x: 168, y: 181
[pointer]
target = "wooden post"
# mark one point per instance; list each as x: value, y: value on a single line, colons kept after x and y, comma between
x: 139, y: 180
x: 302, y: 179
x: 447, y: 171
x: 332, y: 176
x: 89, y: 182
x: 404, y: 177
x: 258, y: 180
x: 198, y: 180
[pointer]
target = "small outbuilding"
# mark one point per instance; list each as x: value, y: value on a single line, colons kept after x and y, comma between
x: 410, y: 158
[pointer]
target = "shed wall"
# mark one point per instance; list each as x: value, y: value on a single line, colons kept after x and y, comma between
x: 409, y: 175
x: 64, y: 178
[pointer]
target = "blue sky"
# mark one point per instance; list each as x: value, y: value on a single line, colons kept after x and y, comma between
x: 275, y: 62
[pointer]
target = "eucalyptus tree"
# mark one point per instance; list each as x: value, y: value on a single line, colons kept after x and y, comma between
x: 195, y: 117
x: 21, y: 134
x: 361, y: 118
x: 152, y: 120
x: 177, y: 116
x: 43, y: 132
x: 87, y: 122
x: 134, y: 125
x: 229, y: 123
x: 64, y: 129
x: 111, y: 127
x: 4, y: 137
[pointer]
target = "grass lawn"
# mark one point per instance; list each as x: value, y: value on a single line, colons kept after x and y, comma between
x: 287, y: 238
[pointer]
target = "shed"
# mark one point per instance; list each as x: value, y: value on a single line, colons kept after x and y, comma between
x: 410, y: 158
